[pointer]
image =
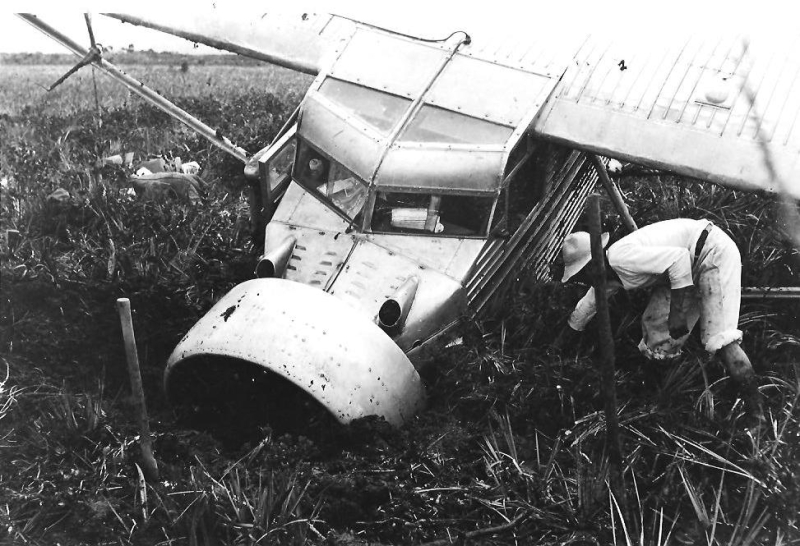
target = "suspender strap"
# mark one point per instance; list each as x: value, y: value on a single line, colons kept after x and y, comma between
x: 701, y: 241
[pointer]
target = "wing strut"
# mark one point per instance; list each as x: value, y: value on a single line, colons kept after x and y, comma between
x: 614, y: 194
x: 223, y: 45
x: 139, y: 88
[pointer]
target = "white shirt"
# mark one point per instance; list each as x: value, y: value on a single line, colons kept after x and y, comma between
x: 642, y: 258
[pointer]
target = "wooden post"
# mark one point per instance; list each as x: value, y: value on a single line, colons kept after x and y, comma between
x: 149, y: 466
x: 614, y: 194
x: 606, y: 343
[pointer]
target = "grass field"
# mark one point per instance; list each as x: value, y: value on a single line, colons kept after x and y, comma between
x: 511, y: 449
x: 26, y: 85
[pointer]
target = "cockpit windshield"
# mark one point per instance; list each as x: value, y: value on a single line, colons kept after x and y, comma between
x: 330, y: 181
x: 433, y: 124
x: 380, y: 110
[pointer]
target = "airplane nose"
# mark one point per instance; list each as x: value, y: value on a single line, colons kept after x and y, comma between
x: 276, y: 335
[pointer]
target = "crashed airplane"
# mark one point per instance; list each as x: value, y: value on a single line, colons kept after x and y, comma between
x: 419, y: 177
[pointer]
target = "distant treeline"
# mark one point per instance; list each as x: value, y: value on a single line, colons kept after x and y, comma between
x: 125, y: 56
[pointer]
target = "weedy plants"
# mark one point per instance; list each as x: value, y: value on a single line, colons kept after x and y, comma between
x: 511, y: 448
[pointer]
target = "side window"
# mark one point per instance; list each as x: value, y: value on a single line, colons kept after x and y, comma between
x: 272, y: 167
x: 431, y: 214
x: 279, y: 166
x: 330, y: 181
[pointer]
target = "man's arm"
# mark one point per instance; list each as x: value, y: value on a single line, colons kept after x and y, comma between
x: 676, y: 322
x: 635, y: 262
x: 569, y: 335
x: 580, y: 317
x: 584, y: 311
x: 586, y: 308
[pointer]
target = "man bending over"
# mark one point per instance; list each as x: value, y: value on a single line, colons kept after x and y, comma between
x: 702, y: 267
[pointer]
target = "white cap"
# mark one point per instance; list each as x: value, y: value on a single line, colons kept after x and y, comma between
x: 577, y: 252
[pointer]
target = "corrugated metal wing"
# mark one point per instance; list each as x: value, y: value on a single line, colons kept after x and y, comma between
x: 699, y: 106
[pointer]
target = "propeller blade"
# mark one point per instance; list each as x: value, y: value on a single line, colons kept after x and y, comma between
x: 92, y: 55
x: 89, y: 58
x: 88, y: 17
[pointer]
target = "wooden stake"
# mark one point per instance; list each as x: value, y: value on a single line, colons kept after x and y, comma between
x: 149, y: 465
x: 607, y: 364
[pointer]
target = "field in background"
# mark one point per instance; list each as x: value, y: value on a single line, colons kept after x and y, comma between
x: 26, y: 85
x: 510, y: 449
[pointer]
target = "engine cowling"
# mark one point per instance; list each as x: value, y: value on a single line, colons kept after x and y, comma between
x: 297, y: 336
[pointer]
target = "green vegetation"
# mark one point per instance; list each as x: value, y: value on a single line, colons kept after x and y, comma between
x: 510, y: 449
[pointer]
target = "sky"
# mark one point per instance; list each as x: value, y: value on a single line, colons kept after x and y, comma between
x: 591, y: 15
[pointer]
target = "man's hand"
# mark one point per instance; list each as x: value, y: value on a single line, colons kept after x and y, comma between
x: 677, y: 323
x: 567, y: 339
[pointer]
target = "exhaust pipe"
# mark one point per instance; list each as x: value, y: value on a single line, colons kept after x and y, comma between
x: 392, y: 314
x: 273, y: 263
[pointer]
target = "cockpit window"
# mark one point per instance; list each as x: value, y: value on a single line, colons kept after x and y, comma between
x: 378, y: 109
x: 330, y: 181
x: 433, y: 124
x: 431, y: 214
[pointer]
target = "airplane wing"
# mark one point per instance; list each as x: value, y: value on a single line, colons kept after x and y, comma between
x: 706, y: 108
x: 297, y: 40
x: 717, y: 107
